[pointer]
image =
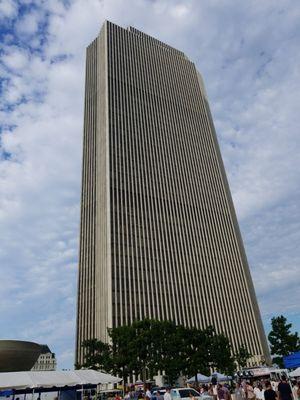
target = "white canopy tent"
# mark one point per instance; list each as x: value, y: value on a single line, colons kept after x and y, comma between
x: 220, y: 377
x: 295, y: 373
x: 58, y: 379
x: 207, y: 379
x: 200, y: 378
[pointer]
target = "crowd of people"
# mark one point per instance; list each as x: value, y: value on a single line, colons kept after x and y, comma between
x: 244, y: 390
x: 268, y: 390
x: 258, y: 390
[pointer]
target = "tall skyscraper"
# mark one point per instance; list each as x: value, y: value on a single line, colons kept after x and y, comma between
x: 159, y: 236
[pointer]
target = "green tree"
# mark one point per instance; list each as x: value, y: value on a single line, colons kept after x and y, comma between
x: 149, y: 346
x: 166, y: 350
x: 97, y: 355
x: 242, y: 356
x: 145, y: 343
x: 169, y: 350
x: 124, y: 359
x: 197, y: 349
x: 221, y: 354
x: 282, y: 341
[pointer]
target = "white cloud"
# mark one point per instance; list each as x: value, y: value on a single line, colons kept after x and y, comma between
x: 15, y: 58
x: 28, y: 24
x: 8, y: 9
x: 179, y: 11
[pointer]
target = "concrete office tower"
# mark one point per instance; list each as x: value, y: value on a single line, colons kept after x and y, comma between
x: 159, y: 236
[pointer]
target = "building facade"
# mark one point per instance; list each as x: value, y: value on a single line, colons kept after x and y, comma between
x: 159, y: 237
x: 46, y: 360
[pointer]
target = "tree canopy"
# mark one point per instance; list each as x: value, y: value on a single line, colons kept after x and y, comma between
x: 148, y: 347
x: 242, y: 356
x: 282, y: 341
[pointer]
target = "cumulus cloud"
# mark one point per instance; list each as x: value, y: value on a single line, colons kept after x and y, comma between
x: 28, y: 24
x: 8, y: 9
x: 15, y: 59
x: 247, y: 53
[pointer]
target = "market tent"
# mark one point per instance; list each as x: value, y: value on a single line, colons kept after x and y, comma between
x: 15, y: 380
x: 292, y: 361
x: 220, y: 377
x: 95, y: 377
x: 49, y: 379
x: 295, y: 373
x: 207, y: 379
x: 200, y: 378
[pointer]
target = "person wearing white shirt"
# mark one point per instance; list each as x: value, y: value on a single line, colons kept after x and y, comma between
x: 148, y: 394
x: 258, y: 392
x: 167, y: 395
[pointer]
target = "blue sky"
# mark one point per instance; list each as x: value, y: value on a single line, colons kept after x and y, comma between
x: 248, y: 54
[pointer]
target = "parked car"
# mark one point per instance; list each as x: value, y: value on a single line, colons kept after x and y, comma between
x: 162, y: 391
x: 184, y: 394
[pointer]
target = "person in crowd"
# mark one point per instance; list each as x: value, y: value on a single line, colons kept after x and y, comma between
x: 262, y: 388
x: 274, y: 385
x: 250, y: 395
x: 294, y: 389
x: 140, y: 394
x: 215, y: 391
x: 127, y: 396
x: 239, y: 392
x: 298, y: 390
x: 210, y: 390
x: 205, y: 390
x: 244, y: 387
x: 284, y: 390
x: 221, y: 392
x: 159, y: 396
x: 227, y: 392
x: 167, y: 395
x: 269, y: 393
x: 133, y: 394
x: 148, y: 395
x: 258, y: 391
